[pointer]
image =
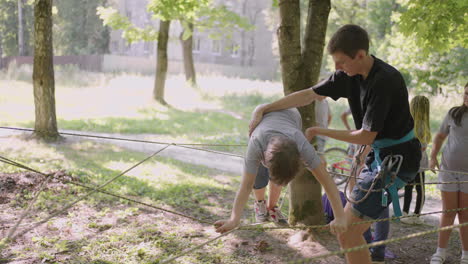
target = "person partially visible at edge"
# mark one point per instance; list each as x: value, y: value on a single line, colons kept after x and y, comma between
x: 378, y: 99
x: 419, y: 107
x: 279, y: 146
x: 454, y: 159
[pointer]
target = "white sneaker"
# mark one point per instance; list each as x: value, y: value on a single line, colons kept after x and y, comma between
x: 417, y: 220
x: 412, y: 220
x: 437, y: 259
x: 261, y: 211
x: 406, y: 220
x: 277, y: 217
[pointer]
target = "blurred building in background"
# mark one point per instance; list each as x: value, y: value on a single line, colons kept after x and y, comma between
x: 245, y: 54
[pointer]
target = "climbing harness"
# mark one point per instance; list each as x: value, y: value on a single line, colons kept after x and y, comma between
x: 387, y: 172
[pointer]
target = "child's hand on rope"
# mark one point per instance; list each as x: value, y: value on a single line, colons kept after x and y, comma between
x: 223, y: 226
x: 338, y: 225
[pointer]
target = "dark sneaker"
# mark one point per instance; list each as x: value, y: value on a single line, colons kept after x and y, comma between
x: 377, y: 259
x: 261, y: 211
x: 277, y: 217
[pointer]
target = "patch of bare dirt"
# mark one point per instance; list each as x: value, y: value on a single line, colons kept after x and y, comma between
x: 80, y: 225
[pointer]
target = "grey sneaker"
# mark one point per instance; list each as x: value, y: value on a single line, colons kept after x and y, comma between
x: 277, y: 217
x: 261, y: 212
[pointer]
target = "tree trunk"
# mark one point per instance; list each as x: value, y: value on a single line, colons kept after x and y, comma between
x: 243, y: 48
x: 1, y: 51
x: 43, y: 73
x: 314, y: 39
x: 187, y: 51
x: 161, y: 64
x: 312, y: 52
x: 21, y: 49
x: 298, y: 71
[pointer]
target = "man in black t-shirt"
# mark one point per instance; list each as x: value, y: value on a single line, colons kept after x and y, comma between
x: 378, y: 99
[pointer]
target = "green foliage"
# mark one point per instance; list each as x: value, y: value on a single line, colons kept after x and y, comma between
x: 424, y: 72
x: 379, y: 18
x: 78, y: 29
x: 188, y: 10
x: 221, y: 22
x: 374, y: 16
x: 436, y: 25
x: 425, y: 40
x: 9, y: 27
x: 111, y: 17
x: 202, y: 13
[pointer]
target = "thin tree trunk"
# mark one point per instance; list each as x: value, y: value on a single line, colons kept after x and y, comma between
x: 312, y: 52
x: 314, y: 39
x: 43, y: 73
x: 21, y: 49
x: 1, y: 51
x: 243, y: 48
x: 290, y: 45
x: 298, y: 72
x: 161, y: 64
x: 187, y: 51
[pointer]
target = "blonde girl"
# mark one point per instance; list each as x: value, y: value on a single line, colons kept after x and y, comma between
x: 419, y: 108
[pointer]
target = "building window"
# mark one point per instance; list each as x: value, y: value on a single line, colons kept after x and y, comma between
x: 234, y: 49
x: 196, y: 44
x: 115, y: 46
x: 216, y: 47
x: 128, y: 47
x: 146, y: 48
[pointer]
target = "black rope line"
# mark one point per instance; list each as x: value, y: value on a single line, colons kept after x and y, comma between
x: 356, y: 223
x: 139, y: 202
x: 186, y: 145
x: 129, y: 139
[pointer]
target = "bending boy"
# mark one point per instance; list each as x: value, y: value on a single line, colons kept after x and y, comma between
x: 279, y: 144
x: 378, y: 99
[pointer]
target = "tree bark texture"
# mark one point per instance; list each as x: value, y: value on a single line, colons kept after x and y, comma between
x: 161, y: 63
x: 299, y: 68
x: 21, y: 49
x: 43, y: 73
x: 187, y: 51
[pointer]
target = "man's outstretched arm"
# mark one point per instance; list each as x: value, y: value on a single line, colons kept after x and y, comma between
x: 361, y: 136
x: 296, y: 99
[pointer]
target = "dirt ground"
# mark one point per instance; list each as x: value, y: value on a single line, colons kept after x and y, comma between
x: 275, y: 246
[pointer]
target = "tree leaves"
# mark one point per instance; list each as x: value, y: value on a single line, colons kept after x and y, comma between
x: 437, y: 25
x: 219, y: 20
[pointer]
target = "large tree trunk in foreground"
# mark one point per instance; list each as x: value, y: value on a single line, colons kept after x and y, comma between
x: 43, y: 73
x: 161, y: 63
x: 187, y: 51
x: 300, y: 70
